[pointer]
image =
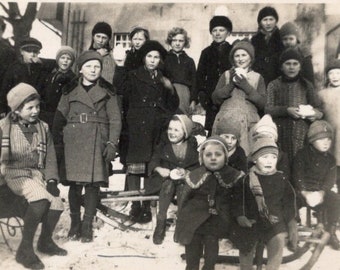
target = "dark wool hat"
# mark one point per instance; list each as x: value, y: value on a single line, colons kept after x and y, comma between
x: 290, y: 53
x: 137, y: 29
x: 289, y: 28
x: 103, y: 28
x: 318, y: 130
x: 263, y: 146
x: 267, y: 11
x: 87, y: 56
x: 213, y: 139
x: 229, y: 127
x: 152, y: 45
x: 333, y: 64
x: 220, y: 21
x: 30, y: 43
x: 244, y: 45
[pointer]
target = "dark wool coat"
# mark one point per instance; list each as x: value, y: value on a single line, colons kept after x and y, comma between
x: 149, y: 106
x: 180, y: 68
x: 133, y: 59
x: 84, y: 123
x: 238, y: 160
x: 267, y: 55
x: 214, y: 60
x: 281, y: 202
x: 165, y: 157
x: 7, y: 56
x: 201, y: 184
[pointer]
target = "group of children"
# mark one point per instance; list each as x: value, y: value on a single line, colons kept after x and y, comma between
x: 245, y: 182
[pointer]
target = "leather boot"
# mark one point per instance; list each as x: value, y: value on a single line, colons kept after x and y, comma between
x: 45, y: 243
x: 75, y: 229
x: 135, y: 211
x: 86, y: 229
x: 25, y: 254
x: 333, y: 241
x: 159, y: 233
x: 146, y: 215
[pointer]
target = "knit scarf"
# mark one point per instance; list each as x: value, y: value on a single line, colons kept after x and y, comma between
x: 6, y: 144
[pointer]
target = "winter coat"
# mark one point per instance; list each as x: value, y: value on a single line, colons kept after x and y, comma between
x: 330, y: 100
x: 267, y: 55
x: 282, y: 94
x: 7, y: 56
x: 214, y: 60
x: 180, y: 68
x: 307, y: 70
x: 149, y: 106
x: 133, y: 59
x: 109, y: 64
x: 238, y: 160
x: 204, y: 187
x: 280, y: 199
x: 84, y: 123
x: 239, y: 106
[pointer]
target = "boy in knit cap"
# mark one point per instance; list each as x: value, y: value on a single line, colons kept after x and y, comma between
x: 170, y: 163
x: 264, y: 208
x: 214, y: 60
x: 290, y: 38
x: 314, y: 175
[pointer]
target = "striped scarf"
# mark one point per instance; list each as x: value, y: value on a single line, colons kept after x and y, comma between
x: 6, y: 144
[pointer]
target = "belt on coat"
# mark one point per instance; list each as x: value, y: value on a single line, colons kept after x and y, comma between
x: 87, y: 118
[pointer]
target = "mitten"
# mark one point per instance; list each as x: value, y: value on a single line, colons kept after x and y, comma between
x: 52, y: 187
x: 109, y: 152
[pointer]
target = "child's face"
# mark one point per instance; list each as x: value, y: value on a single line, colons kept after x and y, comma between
x: 152, y: 60
x: 100, y: 40
x: 30, y: 55
x: 138, y: 40
x: 268, y: 23
x: 242, y: 58
x: 91, y: 70
x: 178, y: 42
x: 214, y: 157
x: 289, y: 41
x: 219, y: 34
x: 64, y: 62
x: 231, y: 141
x: 334, y: 77
x: 30, y: 112
x: 175, y: 132
x: 291, y: 68
x: 266, y: 164
x: 322, y: 145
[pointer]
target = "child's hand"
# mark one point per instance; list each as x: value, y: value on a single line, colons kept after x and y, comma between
x: 242, y: 83
x: 192, y: 107
x: 243, y: 221
x: 164, y: 172
x: 292, y: 235
x: 294, y: 112
x: 119, y: 55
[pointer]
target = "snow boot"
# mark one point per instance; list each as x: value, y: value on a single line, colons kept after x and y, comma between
x: 135, y: 211
x: 75, y: 229
x: 86, y: 229
x: 45, y: 243
x: 25, y: 254
x: 159, y: 233
x: 146, y: 215
x: 333, y: 241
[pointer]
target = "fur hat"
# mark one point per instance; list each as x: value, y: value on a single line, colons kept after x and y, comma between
x: 289, y: 54
x: 66, y: 50
x: 30, y: 43
x: 103, y: 28
x: 333, y: 64
x: 186, y: 122
x: 152, y: 45
x: 215, y: 139
x: 221, y: 21
x: 87, y: 56
x: 265, y: 126
x: 244, y: 45
x: 262, y: 147
x: 318, y: 130
x: 267, y: 11
x: 289, y: 28
x: 18, y: 94
x: 137, y: 29
x: 228, y: 127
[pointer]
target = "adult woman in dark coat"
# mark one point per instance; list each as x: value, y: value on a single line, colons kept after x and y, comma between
x: 150, y: 101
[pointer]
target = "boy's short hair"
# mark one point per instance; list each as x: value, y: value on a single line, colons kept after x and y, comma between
x: 178, y: 31
x: 319, y: 129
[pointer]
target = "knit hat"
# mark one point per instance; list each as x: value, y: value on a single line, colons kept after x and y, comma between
x: 289, y: 28
x: 244, y: 45
x: 87, y: 56
x: 136, y: 29
x: 66, y: 50
x: 30, y: 43
x: 186, y: 122
x: 103, y: 28
x: 215, y: 139
x: 318, y: 130
x: 18, y: 94
x: 267, y: 11
x: 220, y: 21
x: 265, y: 126
x: 262, y: 147
x: 289, y: 54
x: 333, y: 64
x: 152, y: 45
x: 228, y: 127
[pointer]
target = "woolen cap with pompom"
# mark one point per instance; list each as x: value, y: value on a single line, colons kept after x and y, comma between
x: 265, y: 126
x: 17, y: 95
